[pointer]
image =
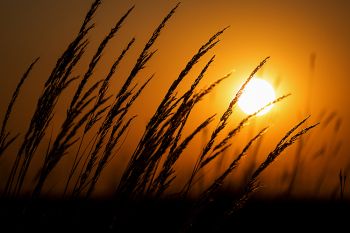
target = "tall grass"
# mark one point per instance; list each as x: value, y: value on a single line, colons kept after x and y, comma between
x: 59, y: 79
x: 5, y: 140
x: 151, y: 168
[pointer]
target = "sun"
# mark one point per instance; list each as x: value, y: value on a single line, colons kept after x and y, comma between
x: 256, y: 95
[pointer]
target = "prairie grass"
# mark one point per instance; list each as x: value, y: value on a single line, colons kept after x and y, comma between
x: 96, y: 114
x: 5, y: 141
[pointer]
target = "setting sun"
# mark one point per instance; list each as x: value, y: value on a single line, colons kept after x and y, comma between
x: 256, y: 95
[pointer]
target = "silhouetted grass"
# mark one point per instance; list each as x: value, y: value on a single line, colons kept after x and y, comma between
x: 151, y: 168
x: 59, y: 79
x: 5, y: 141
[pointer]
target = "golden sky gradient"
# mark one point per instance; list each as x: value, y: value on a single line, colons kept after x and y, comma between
x: 293, y: 33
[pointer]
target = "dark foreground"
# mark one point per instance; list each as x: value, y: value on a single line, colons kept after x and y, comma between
x: 170, y: 216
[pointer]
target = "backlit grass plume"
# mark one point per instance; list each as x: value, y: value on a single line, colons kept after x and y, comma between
x: 96, y: 120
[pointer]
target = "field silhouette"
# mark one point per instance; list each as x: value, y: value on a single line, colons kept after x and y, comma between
x: 95, y: 120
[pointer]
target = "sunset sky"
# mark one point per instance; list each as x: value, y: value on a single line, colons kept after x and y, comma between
x: 308, y: 42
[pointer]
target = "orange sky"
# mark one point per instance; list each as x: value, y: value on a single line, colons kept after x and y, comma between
x: 288, y: 31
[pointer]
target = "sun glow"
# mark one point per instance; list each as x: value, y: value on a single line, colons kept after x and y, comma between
x: 256, y: 95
